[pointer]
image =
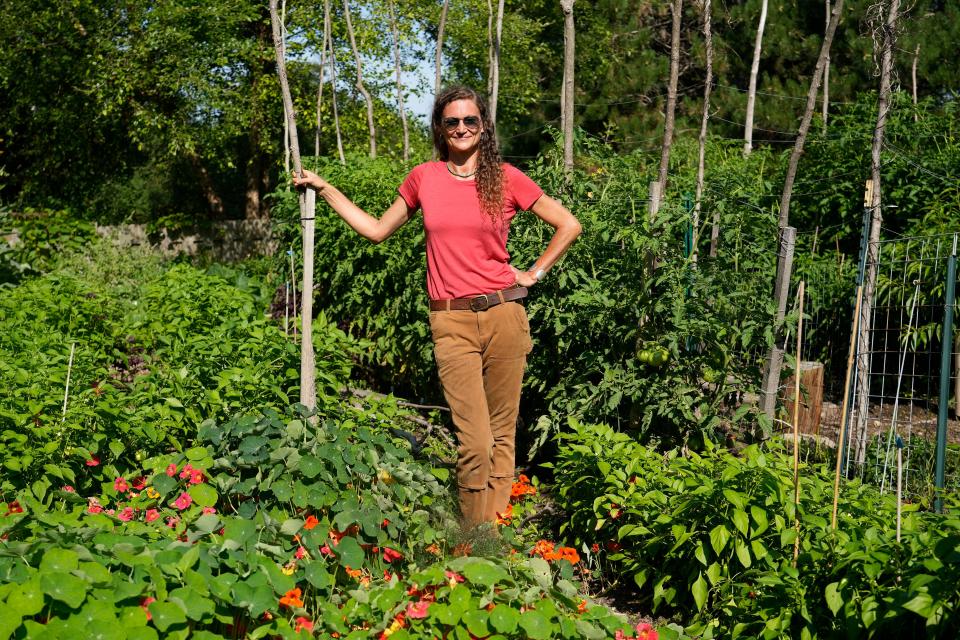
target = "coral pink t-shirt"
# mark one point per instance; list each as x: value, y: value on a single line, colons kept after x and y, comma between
x: 466, y: 251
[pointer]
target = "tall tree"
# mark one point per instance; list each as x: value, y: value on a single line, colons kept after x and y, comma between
x: 752, y: 90
x: 569, y: 55
x: 808, y: 115
x: 495, y: 62
x: 702, y: 142
x: 308, y: 386
x: 439, y: 53
x: 328, y: 28
x: 825, y: 107
x: 397, y: 68
x: 676, y: 9
x: 885, y: 33
x: 359, y: 84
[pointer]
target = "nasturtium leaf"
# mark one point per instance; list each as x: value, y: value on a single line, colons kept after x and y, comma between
x: 163, y: 483
x: 59, y: 560
x: 188, y: 559
x: 700, y: 589
x: 207, y: 523
x: 26, y: 599
x: 349, y: 552
x: 476, y: 621
x: 196, y: 453
x: 484, y: 572
x: 310, y: 466
x: 536, y: 625
x: 145, y: 633
x: 589, y: 630
x: 291, y: 526
x: 64, y: 587
x: 444, y: 614
x: 504, y: 618
x: 280, y: 582
x: 834, y: 597
x: 203, y: 494
x: 133, y: 616
x: 196, y: 606
x: 9, y: 620
x: 239, y: 530
x: 167, y: 614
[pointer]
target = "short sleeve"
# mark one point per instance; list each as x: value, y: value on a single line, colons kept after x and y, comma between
x: 521, y: 189
x: 410, y: 188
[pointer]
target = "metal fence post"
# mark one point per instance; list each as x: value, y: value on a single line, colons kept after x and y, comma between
x: 945, y: 358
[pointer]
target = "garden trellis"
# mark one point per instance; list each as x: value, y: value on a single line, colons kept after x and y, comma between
x: 913, y: 357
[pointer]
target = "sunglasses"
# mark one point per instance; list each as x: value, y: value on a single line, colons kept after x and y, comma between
x: 470, y: 122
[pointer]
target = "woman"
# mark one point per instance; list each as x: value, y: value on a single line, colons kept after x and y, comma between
x: 480, y: 332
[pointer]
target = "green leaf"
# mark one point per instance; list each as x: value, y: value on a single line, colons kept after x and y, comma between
x: 9, y: 621
x: 203, y: 494
x: 64, y: 587
x: 476, y: 621
x: 26, y: 599
x: 741, y: 521
x: 834, y: 597
x: 719, y: 537
x: 743, y: 553
x: 167, y: 614
x: 56, y: 559
x: 700, y: 590
x: 349, y: 552
x: 291, y: 526
x: 921, y: 604
x: 317, y: 575
x: 536, y: 625
x: 504, y: 618
x: 483, y: 572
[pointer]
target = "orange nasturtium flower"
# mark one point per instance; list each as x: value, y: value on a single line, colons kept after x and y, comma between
x: 311, y: 523
x: 504, y: 517
x: 522, y: 487
x: 292, y: 598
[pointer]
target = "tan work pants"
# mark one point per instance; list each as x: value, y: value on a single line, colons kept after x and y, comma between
x: 481, y: 357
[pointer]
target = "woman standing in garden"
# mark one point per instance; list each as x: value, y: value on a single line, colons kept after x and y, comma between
x: 480, y: 331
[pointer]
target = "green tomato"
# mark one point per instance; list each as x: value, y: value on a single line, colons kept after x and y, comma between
x: 660, y: 357
x: 645, y: 356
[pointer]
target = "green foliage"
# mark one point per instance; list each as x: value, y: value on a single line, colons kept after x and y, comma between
x: 710, y: 538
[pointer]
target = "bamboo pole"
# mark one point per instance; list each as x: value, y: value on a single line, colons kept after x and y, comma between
x: 899, y: 483
x: 846, y: 400
x: 796, y: 428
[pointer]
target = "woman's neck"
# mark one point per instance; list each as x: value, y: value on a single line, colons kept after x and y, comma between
x: 463, y: 163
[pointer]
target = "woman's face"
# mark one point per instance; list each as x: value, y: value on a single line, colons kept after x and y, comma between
x: 462, y: 125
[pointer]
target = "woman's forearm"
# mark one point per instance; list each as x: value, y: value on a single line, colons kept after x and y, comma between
x: 358, y: 219
x: 562, y: 238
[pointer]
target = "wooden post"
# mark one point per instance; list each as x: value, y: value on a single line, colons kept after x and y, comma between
x: 841, y: 436
x: 811, y: 398
x: 771, y: 377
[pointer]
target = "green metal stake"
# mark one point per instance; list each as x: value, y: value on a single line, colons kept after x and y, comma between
x: 945, y: 354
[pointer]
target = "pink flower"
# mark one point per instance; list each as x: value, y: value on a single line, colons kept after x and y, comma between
x: 93, y: 461
x: 183, y: 501
x: 303, y: 624
x: 389, y: 555
x: 171, y: 469
x: 109, y: 512
x: 173, y: 521
x: 646, y: 632
x: 196, y: 476
x: 187, y: 470
x: 417, y: 610
x: 152, y: 514
x: 209, y: 510
x: 69, y: 489
x: 94, y: 508
x: 453, y: 576
x: 325, y: 550
x: 126, y: 515
x: 619, y: 635
x: 301, y: 553
x: 145, y: 605
x: 120, y: 485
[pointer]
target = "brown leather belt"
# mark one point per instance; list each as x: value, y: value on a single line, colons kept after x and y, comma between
x: 482, y: 302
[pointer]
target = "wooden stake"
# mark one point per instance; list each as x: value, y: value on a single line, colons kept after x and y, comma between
x: 899, y: 482
x: 796, y: 428
x: 846, y: 400
x: 66, y: 390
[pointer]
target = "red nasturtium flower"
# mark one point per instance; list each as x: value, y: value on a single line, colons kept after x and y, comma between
x: 389, y: 555
x: 311, y: 523
x: 145, y: 605
x: 120, y: 485
x: 418, y: 610
x: 151, y: 515
x: 595, y: 548
x: 303, y: 624
x: 93, y: 461
x: 171, y: 469
x: 126, y: 514
x: 13, y: 508
x: 292, y: 598
x: 196, y: 476
x: 187, y: 470
x: 646, y: 632
x: 139, y: 483
x: 183, y: 501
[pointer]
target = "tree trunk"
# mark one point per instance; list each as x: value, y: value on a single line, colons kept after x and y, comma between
x: 677, y: 9
x: 396, y: 64
x: 323, y: 69
x: 913, y: 75
x: 439, y: 55
x: 826, y: 75
x: 888, y: 35
x: 495, y: 80
x: 808, y: 115
x: 359, y: 84
x: 702, y: 152
x: 308, y: 387
x: 569, y: 54
x: 489, y: 48
x: 328, y: 23
x: 752, y: 91
x: 286, y: 123
x: 209, y: 190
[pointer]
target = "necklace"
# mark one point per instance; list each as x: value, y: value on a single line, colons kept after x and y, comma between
x: 459, y: 175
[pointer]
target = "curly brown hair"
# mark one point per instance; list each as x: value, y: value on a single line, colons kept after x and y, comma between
x: 489, y: 164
